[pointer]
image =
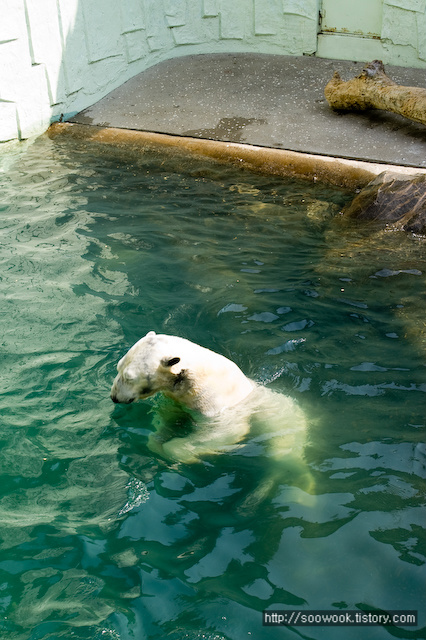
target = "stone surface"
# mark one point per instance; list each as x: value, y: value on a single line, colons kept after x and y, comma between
x: 265, y: 100
x: 392, y: 199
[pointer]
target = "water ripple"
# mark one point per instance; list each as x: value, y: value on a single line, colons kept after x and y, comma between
x: 102, y: 538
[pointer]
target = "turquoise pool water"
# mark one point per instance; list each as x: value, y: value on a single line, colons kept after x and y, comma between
x: 101, y: 539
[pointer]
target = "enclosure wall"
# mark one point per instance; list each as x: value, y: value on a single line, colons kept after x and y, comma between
x: 60, y: 56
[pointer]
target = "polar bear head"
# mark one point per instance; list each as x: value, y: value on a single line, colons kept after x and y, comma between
x: 197, y: 377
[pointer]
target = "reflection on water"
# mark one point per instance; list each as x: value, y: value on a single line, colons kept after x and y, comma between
x: 99, y: 537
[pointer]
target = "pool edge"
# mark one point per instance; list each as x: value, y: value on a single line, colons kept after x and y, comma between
x: 342, y: 172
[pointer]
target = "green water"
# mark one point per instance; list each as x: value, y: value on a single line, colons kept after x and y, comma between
x: 101, y: 539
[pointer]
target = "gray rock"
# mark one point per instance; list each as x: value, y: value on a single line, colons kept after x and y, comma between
x: 393, y: 199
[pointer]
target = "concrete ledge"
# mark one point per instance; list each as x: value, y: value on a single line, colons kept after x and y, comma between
x: 268, y: 101
x: 350, y: 174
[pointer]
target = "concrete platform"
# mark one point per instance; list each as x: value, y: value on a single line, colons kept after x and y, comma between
x: 264, y: 100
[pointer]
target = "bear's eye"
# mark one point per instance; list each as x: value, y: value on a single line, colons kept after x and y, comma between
x: 172, y: 361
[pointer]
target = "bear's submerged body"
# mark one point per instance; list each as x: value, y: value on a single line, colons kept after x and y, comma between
x: 219, y: 403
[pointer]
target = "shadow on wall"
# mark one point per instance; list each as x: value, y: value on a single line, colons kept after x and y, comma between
x: 61, y: 56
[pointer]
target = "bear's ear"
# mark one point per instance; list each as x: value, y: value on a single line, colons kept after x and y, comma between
x: 169, y: 362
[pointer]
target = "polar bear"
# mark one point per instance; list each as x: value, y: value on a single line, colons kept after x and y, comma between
x: 198, y: 378
x: 219, y: 403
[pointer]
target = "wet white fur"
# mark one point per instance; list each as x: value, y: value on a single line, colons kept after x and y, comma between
x: 224, y: 405
x: 202, y: 380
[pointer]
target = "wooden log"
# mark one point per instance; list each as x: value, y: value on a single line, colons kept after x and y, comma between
x: 373, y: 89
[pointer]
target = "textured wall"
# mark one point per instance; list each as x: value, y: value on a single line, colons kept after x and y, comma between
x: 60, y: 56
x: 402, y: 37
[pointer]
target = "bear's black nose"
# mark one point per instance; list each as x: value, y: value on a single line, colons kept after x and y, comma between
x: 117, y: 401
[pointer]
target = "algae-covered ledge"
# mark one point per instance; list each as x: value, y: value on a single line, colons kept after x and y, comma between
x: 349, y: 174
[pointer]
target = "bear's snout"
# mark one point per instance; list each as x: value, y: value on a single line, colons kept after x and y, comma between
x: 118, y: 400
x: 122, y: 393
